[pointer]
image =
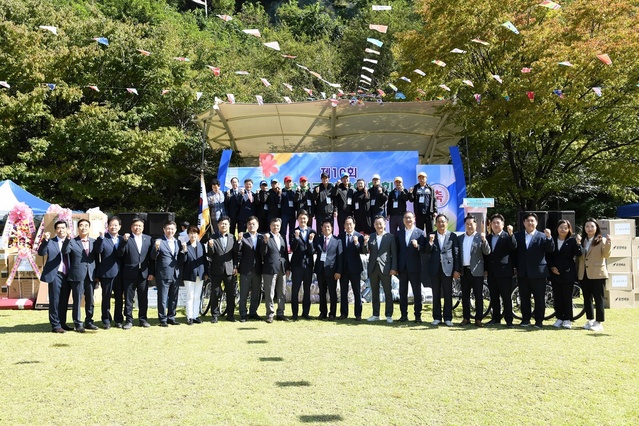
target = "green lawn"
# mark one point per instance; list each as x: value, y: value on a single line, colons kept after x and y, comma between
x: 318, y: 372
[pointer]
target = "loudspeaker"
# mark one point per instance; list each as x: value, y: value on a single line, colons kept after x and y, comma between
x: 557, y: 215
x: 127, y: 220
x: 542, y: 219
x: 156, y: 221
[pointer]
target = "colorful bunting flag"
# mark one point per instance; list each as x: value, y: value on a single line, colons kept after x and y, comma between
x: 421, y: 91
x: 531, y: 96
x: 101, y: 40
x: 498, y: 78
x: 379, y: 7
x: 379, y: 28
x: 420, y: 72
x: 550, y: 5
x: 214, y: 70
x: 476, y: 40
x: 334, y: 102
x: 468, y: 83
x: 265, y: 81
x: 446, y: 88
x: 510, y: 26
x: 372, y: 61
x: 370, y: 70
x: 381, y: 92
x: 365, y: 82
x: 132, y: 90
x: 225, y: 18
x: 51, y: 86
x: 309, y: 91
x: 565, y: 64
x: 605, y: 59
x: 54, y: 30
x: 315, y: 74
x: 525, y: 70
x: 230, y: 97
x: 94, y: 88
x: 365, y: 77
x: 456, y: 50
x: 559, y: 93
x: 182, y: 59
x: 144, y: 52
x: 289, y: 56
x: 374, y: 41
x: 287, y: 100
x: 477, y: 97
x: 323, y: 95
x: 165, y: 91
x: 242, y: 72
x: 438, y: 62
x: 198, y: 95
x: 5, y: 84
x: 597, y: 91
x: 288, y: 86
x: 505, y: 96
x: 260, y: 101
x: 367, y: 50
x: 405, y: 79
x: 392, y: 86
x: 273, y: 45
x: 253, y: 32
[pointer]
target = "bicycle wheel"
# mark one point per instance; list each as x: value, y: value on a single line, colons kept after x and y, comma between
x: 205, y: 298
x: 223, y: 304
x: 548, y: 308
x: 516, y: 298
x: 485, y: 299
x: 578, y: 306
x: 457, y: 293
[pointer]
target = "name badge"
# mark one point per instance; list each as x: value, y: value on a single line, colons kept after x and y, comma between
x: 356, y: 206
x: 308, y: 202
x: 421, y: 199
x: 265, y: 206
x: 323, y: 257
x: 395, y: 204
x: 290, y: 204
x: 328, y: 200
x: 217, y: 215
x: 372, y: 202
x: 349, y: 201
x: 279, y: 206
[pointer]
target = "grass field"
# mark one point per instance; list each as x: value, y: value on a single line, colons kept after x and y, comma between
x: 317, y: 372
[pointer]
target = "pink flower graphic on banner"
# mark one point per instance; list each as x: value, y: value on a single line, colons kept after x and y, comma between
x: 268, y: 164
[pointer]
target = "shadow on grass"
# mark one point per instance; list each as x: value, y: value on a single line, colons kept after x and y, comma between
x: 256, y: 342
x: 27, y: 362
x: 60, y: 345
x: 320, y: 418
x: 44, y: 327
x: 271, y: 358
x: 247, y: 328
x: 298, y: 383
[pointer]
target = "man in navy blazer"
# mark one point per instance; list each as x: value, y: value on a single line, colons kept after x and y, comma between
x: 352, y: 242
x: 248, y: 206
x: 301, y: 264
x: 532, y: 269
x: 168, y: 255
x: 80, y: 278
x: 444, y: 266
x: 275, y: 266
x: 328, y: 268
x: 108, y: 273
x: 222, y: 253
x: 54, y: 272
x: 137, y: 271
x: 473, y: 246
x: 411, y: 243
x: 500, y: 267
x: 250, y: 269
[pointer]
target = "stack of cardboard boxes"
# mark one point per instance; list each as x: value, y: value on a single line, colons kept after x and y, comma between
x: 623, y: 267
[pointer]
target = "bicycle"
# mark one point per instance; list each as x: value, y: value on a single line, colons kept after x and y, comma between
x: 457, y: 296
x: 578, y: 307
x: 207, y: 296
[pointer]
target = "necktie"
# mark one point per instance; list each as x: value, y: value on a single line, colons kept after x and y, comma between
x: 325, y: 244
x: 223, y: 241
x: 250, y: 196
x: 349, y: 240
x: 85, y: 244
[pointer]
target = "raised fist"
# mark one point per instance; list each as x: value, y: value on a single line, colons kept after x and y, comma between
x: 578, y: 238
x: 431, y: 239
x: 317, y: 189
x: 414, y: 242
x: 411, y: 190
x: 183, y: 246
x: 509, y: 228
x: 266, y: 238
x: 548, y: 233
x: 297, y: 233
x: 483, y: 236
x: 210, y: 243
x: 366, y: 238
x: 379, y: 189
x: 157, y: 243
x: 47, y: 235
x: 126, y: 236
x: 101, y: 234
x: 311, y: 236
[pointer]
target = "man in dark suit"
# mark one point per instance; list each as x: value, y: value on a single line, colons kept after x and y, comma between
x: 328, y: 268
x: 301, y: 264
x: 410, y: 244
x: 422, y: 196
x: 382, y: 263
x: 261, y: 207
x: 532, y: 269
x: 250, y: 269
x: 248, y: 206
x: 352, y: 242
x: 323, y: 201
x: 378, y: 197
x: 304, y: 199
x: 137, y: 271
x: 222, y: 254
x: 274, y: 201
x: 274, y: 270
x: 500, y: 267
x: 396, y: 206
x: 445, y: 265
x: 168, y: 255
x: 473, y: 246
x: 232, y: 201
x: 81, y: 278
x: 108, y: 273
x: 54, y: 272
x: 343, y: 199
x: 289, y: 212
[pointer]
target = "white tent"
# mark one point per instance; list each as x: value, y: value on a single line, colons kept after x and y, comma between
x: 11, y: 194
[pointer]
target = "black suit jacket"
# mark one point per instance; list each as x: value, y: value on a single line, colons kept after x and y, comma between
x: 110, y: 263
x: 333, y: 262
x: 448, y: 256
x: 223, y: 261
x: 564, y: 260
x: 248, y: 208
x: 352, y: 261
x: 408, y: 257
x: 136, y: 263
x: 81, y: 264
x: 401, y: 199
x: 531, y: 260
x: 250, y: 260
x: 195, y: 262
x: 500, y: 262
x: 274, y: 261
x: 302, y: 249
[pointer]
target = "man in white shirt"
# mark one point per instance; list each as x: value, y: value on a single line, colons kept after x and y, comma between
x: 168, y: 255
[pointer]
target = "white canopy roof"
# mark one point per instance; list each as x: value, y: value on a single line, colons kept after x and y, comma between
x: 317, y: 126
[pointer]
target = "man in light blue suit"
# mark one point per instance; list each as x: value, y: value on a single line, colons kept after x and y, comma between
x: 168, y: 255
x: 54, y: 272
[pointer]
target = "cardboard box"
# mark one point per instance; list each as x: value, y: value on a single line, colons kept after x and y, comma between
x: 614, y: 299
x: 621, y: 247
x: 25, y: 270
x: 635, y: 283
x: 619, y: 281
x: 635, y: 265
x: 634, y: 243
x: 624, y: 228
x: 619, y: 264
x: 24, y: 289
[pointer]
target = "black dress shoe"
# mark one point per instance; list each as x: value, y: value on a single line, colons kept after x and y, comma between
x: 281, y: 318
x: 321, y: 317
x: 172, y: 322
x: 58, y: 330
x: 342, y: 317
x: 214, y: 320
x: 66, y: 327
x: 127, y: 326
x: 163, y: 324
x: 108, y: 326
x: 418, y: 320
x: 197, y: 320
x: 331, y: 317
x: 118, y: 325
x: 80, y: 330
x: 230, y: 319
x: 493, y: 322
x: 403, y: 319
x: 91, y: 326
x: 189, y: 321
x: 144, y: 324
x: 358, y: 318
x: 306, y: 317
x: 269, y: 320
x: 242, y: 319
x: 255, y: 317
